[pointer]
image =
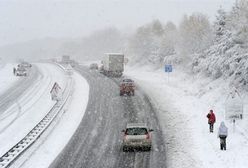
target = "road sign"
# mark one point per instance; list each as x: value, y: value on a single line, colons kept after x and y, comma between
x: 69, y: 69
x: 168, y: 68
x: 56, y: 92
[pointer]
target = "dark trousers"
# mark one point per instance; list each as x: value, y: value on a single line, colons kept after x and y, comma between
x: 211, y: 127
x: 222, y: 142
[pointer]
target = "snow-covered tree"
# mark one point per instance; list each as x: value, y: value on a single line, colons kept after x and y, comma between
x: 195, y: 34
x: 169, y: 41
x: 227, y: 57
x: 139, y: 45
x: 220, y: 24
x: 239, y: 23
x: 212, y: 61
x: 153, y: 42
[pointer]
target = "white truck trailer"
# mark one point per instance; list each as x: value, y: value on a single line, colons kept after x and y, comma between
x: 113, y: 64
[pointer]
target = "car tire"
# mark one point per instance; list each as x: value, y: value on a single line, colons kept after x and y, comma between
x: 148, y: 148
x: 124, y: 149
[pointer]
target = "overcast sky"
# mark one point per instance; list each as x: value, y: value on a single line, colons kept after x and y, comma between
x: 22, y: 20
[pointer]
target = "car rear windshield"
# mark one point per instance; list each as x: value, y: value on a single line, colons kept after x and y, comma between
x: 136, y: 131
x: 127, y: 80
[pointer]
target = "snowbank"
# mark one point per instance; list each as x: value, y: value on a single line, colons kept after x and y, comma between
x: 30, y: 108
x: 60, y: 132
x: 182, y: 103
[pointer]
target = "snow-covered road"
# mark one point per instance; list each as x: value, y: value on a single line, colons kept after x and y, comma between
x: 98, y: 140
x: 30, y: 108
x: 7, y: 78
x: 183, y: 102
x: 51, y: 143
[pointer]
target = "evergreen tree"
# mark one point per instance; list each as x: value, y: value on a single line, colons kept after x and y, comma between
x: 220, y: 23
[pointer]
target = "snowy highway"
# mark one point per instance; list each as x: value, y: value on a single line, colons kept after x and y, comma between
x: 25, y: 103
x: 124, y: 84
x: 11, y: 95
x: 97, y: 141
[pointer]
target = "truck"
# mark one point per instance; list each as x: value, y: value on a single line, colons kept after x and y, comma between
x: 113, y: 64
x: 127, y: 87
x: 66, y: 59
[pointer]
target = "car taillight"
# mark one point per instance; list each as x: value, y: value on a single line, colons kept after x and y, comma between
x: 125, y: 136
x: 147, y: 136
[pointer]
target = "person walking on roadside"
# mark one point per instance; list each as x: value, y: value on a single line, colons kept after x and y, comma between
x: 222, y: 134
x: 211, y: 120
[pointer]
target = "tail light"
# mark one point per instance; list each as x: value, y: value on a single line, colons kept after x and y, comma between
x: 147, y: 136
x: 125, y: 137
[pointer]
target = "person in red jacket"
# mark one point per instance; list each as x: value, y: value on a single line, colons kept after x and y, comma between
x: 211, y: 120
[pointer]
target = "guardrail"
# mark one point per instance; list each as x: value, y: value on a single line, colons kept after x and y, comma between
x: 11, y: 155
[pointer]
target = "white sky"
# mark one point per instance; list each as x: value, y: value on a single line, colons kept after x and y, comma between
x: 22, y: 20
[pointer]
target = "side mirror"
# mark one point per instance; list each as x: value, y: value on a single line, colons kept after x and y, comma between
x: 122, y: 130
x: 150, y: 130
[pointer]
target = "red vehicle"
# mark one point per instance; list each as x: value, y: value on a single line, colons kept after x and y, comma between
x: 127, y: 87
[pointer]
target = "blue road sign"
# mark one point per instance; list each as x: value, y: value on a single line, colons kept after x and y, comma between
x: 168, y: 68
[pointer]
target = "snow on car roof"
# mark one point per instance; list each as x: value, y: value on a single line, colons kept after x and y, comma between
x: 114, y: 54
x: 132, y: 125
x: 127, y: 80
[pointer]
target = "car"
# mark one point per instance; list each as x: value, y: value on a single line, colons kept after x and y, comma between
x: 21, y: 71
x: 127, y: 87
x: 94, y: 66
x: 137, y: 136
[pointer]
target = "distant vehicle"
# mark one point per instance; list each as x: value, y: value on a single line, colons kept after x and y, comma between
x: 66, y: 59
x: 73, y: 63
x: 21, y: 71
x: 101, y: 70
x: 127, y: 87
x: 113, y: 64
x: 94, y: 66
x: 137, y: 136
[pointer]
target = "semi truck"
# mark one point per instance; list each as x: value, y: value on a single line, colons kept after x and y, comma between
x: 66, y: 59
x: 113, y: 64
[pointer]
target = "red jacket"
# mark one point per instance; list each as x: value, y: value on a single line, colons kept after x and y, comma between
x: 211, y: 118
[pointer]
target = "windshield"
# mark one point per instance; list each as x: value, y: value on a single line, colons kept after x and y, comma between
x: 136, y: 131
